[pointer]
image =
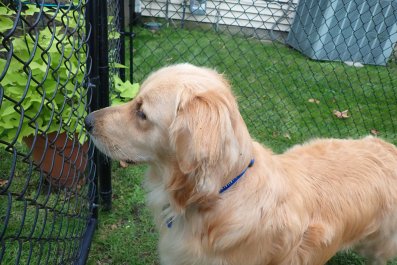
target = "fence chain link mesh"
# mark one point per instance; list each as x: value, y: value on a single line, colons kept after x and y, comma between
x: 115, y: 39
x: 300, y: 69
x: 46, y: 168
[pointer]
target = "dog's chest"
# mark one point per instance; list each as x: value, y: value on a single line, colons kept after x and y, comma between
x: 179, y: 247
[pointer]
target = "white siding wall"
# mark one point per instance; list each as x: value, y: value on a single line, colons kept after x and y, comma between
x: 276, y: 14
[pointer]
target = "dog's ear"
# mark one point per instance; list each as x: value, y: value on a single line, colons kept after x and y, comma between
x: 210, y: 142
x: 201, y: 130
x: 200, y: 134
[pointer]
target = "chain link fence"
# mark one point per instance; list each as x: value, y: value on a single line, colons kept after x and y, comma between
x: 47, y: 185
x: 300, y: 69
x: 116, y: 40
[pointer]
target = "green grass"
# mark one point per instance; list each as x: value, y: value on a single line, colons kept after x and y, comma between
x: 273, y: 84
x: 126, y: 235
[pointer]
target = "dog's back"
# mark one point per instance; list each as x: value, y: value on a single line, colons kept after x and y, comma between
x: 350, y: 190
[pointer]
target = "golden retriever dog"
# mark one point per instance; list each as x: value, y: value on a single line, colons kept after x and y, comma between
x: 220, y: 198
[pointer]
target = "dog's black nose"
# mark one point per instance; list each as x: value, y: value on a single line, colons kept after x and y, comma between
x: 89, y: 122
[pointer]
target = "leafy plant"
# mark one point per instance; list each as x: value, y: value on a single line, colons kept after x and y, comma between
x: 43, y: 88
x: 124, y: 91
x: 43, y: 85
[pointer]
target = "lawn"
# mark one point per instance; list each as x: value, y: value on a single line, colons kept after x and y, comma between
x: 284, y: 97
x: 126, y: 235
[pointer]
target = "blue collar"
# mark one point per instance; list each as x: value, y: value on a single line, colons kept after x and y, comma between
x: 222, y: 190
x: 233, y: 181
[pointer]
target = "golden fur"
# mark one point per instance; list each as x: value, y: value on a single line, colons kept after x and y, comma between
x: 299, y: 207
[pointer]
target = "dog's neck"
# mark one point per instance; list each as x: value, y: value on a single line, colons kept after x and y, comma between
x: 201, y: 187
x: 199, y: 184
x: 237, y: 178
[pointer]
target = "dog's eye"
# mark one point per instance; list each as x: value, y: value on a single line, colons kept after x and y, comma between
x: 141, y: 114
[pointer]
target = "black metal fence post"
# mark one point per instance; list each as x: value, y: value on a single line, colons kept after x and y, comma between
x: 99, y: 77
x: 121, y: 20
x: 133, y: 19
x: 104, y: 163
x: 92, y: 66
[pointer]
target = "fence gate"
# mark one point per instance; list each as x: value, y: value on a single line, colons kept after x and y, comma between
x: 49, y: 80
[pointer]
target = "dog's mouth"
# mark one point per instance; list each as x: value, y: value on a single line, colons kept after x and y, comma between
x: 126, y: 163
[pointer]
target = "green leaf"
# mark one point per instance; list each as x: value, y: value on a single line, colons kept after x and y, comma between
x: 21, y: 44
x: 7, y: 125
x: 49, y: 86
x: 58, y: 16
x: 14, y: 67
x: 51, y: 13
x: 68, y: 20
x: 5, y: 23
x: 114, y: 35
x: 10, y: 134
x: 118, y: 84
x: 31, y: 10
x: 4, y: 10
x: 7, y: 81
x: 2, y: 63
x: 82, y: 136
x: 25, y: 131
x: 7, y: 110
x: 21, y: 79
x: 119, y: 65
x: 125, y: 89
x: 117, y: 101
x: 15, y: 92
x: 131, y: 92
x: 81, y: 110
x: 40, y: 66
x: 26, y: 104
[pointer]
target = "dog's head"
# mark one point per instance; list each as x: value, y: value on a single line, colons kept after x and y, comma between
x: 185, y: 118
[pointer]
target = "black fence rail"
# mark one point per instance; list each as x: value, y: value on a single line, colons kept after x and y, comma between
x: 300, y: 69
x: 48, y: 172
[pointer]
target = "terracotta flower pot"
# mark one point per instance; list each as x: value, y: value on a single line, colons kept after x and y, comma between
x: 62, y: 159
